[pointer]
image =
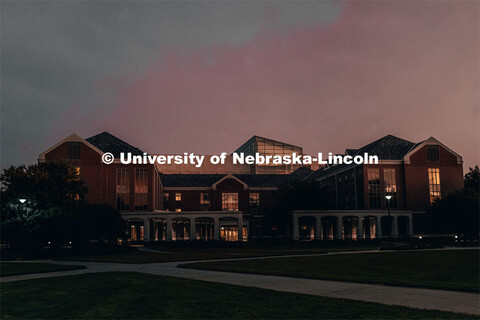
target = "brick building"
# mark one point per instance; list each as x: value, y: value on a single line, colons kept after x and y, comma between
x: 411, y: 175
x: 229, y: 204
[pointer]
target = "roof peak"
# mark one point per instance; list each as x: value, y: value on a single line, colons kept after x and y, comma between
x: 107, y: 142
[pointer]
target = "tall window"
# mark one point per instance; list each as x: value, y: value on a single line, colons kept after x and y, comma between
x: 141, y: 189
x: 390, y: 186
x: 166, y: 196
x: 432, y: 153
x: 123, y: 189
x: 73, y: 150
x: 374, y: 188
x: 204, y: 200
x: 434, y: 184
x: 178, y: 196
x: 230, y: 201
x: 254, y: 201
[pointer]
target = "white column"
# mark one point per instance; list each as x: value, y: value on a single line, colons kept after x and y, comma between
x: 240, y: 227
x: 360, y: 228
x: 216, y: 228
x: 378, y: 227
x: 395, y: 227
x: 192, y: 235
x: 295, y: 227
x: 318, y: 228
x: 339, y: 228
x: 410, y: 226
x: 146, y: 229
x: 169, y: 229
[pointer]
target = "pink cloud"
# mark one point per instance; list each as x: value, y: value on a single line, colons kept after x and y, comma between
x: 405, y: 68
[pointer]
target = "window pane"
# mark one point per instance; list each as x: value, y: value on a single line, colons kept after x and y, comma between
x: 434, y: 184
x: 230, y: 201
x: 123, y: 189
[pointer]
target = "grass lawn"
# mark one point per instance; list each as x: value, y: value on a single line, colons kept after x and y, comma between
x: 445, y: 269
x: 194, y: 251
x: 135, y: 256
x: 18, y: 268
x: 118, y: 295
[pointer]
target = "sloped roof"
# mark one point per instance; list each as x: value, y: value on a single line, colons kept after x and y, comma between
x: 252, y: 180
x: 109, y: 143
x: 262, y: 180
x: 350, y: 151
x: 386, y: 148
x: 189, y: 180
x: 301, y: 173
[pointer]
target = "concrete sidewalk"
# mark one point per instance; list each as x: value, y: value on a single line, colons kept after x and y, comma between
x: 443, y: 300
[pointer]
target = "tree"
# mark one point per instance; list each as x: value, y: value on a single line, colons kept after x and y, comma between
x: 296, y: 195
x: 24, y: 226
x: 48, y: 185
x: 54, y: 211
x: 459, y: 211
x: 472, y: 180
x: 103, y: 222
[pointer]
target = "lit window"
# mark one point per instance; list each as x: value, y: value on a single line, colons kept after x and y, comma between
x: 230, y: 201
x: 432, y: 153
x: 178, y: 196
x: 254, y: 199
x: 166, y: 196
x: 390, y: 186
x: 178, y: 210
x: 434, y: 184
x: 123, y: 189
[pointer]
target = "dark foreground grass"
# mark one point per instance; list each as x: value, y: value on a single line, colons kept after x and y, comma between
x: 191, y: 251
x: 139, y: 296
x: 153, y: 257
x: 18, y: 268
x: 444, y: 269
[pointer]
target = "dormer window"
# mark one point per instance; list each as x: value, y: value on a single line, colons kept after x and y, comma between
x: 432, y: 153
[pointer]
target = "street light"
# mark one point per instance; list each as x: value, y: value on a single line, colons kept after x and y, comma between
x: 388, y: 197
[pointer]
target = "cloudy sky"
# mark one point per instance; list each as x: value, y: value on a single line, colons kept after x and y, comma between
x: 203, y: 77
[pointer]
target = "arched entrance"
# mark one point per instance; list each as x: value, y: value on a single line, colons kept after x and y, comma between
x: 329, y: 226
x: 403, y: 226
x: 350, y: 228
x: 180, y: 229
x: 307, y: 228
x: 204, y: 228
x: 159, y: 226
x: 369, y: 227
x: 136, y: 231
x: 229, y: 229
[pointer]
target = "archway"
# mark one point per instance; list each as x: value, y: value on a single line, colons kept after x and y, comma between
x: 180, y: 229
x: 204, y: 228
x: 370, y: 227
x: 307, y: 228
x: 350, y: 228
x: 329, y: 227
x: 403, y: 226
x: 136, y: 231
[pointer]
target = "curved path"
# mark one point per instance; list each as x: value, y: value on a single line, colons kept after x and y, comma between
x: 452, y: 301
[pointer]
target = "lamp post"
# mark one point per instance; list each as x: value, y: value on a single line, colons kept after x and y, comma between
x: 388, y: 197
